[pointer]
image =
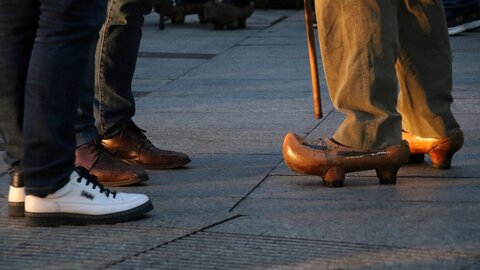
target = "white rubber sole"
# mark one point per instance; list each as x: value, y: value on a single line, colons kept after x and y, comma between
x: 464, y: 27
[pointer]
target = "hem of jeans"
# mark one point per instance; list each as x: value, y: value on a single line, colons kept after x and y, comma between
x: 44, y: 191
x: 117, y: 128
x: 85, y: 137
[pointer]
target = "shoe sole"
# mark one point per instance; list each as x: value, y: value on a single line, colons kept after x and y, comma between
x: 456, y: 30
x: 463, y: 27
x: 59, y: 219
x: 472, y: 25
x: 158, y: 167
x: 303, y: 159
x: 16, y: 209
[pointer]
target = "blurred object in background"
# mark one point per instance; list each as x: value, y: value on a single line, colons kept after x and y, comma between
x: 278, y: 4
x: 462, y: 15
x: 229, y: 14
x: 176, y: 10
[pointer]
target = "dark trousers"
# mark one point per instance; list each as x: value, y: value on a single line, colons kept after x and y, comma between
x: 45, y: 47
x: 115, y: 62
x: 455, y: 8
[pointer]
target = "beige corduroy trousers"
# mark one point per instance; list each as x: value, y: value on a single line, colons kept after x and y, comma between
x: 388, y: 66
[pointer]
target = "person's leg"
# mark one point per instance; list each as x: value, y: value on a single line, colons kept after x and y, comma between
x: 114, y: 104
x: 425, y: 73
x: 359, y: 45
x: 56, y: 194
x: 90, y: 153
x: 17, y: 34
x: 85, y: 129
x: 116, y: 59
x: 66, y: 31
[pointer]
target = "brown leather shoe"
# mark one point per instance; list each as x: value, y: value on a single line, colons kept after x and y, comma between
x: 440, y: 150
x: 133, y: 147
x: 109, y: 171
x: 331, y: 160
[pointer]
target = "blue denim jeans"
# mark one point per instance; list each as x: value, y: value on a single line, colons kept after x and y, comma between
x: 44, y: 50
x: 115, y: 61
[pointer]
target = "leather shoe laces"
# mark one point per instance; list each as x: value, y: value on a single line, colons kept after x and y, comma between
x: 138, y: 133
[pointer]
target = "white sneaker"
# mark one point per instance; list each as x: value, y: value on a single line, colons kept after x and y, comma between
x: 16, y: 195
x: 84, y: 201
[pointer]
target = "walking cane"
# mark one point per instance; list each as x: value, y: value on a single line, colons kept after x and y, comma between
x: 312, y: 53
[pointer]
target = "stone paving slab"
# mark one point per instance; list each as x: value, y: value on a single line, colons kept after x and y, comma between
x: 234, y: 133
x: 215, y: 176
x: 159, y: 41
x: 193, y: 37
x: 466, y: 90
x: 263, y: 53
x: 438, y: 225
x: 259, y: 40
x: 274, y: 69
x: 290, y: 29
x: 243, y: 96
x: 148, y: 85
x: 212, y: 250
x: 164, y: 69
x: 188, y: 213
x: 250, y: 90
x: 230, y: 104
x: 367, y: 189
x: 72, y: 247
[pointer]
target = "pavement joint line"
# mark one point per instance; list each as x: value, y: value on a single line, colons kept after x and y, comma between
x: 281, y: 19
x: 358, y: 200
x: 171, y: 241
x: 320, y: 122
x: 275, y: 167
x: 251, y: 250
x: 255, y: 187
x: 222, y: 52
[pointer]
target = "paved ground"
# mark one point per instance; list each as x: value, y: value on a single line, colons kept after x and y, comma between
x: 227, y: 98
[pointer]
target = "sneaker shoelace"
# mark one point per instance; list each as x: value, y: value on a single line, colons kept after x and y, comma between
x: 83, y: 174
